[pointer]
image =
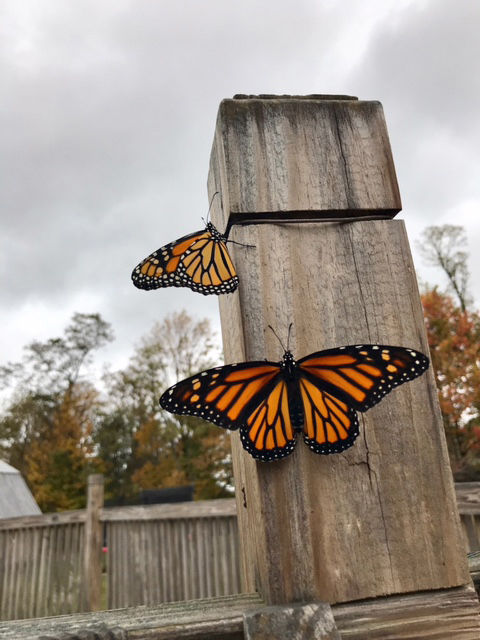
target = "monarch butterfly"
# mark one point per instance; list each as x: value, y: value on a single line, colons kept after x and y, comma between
x: 319, y: 394
x: 199, y: 260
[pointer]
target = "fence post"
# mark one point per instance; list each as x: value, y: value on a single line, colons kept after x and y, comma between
x: 379, y: 518
x: 93, y: 542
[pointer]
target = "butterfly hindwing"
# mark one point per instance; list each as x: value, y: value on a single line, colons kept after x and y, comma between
x: 267, y: 432
x: 330, y: 425
x: 361, y: 375
x: 250, y: 396
x: 199, y: 261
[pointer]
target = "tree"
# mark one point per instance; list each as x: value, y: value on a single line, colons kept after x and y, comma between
x: 46, y: 427
x: 162, y: 450
x: 57, y: 427
x: 454, y: 340
x: 444, y: 247
x: 114, y: 444
x: 59, y: 462
x: 24, y: 420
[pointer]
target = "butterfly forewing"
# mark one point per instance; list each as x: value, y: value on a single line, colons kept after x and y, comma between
x: 199, y: 261
x: 223, y: 395
x: 361, y: 375
x: 251, y: 397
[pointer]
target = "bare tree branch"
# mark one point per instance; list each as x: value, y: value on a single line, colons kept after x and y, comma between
x: 445, y: 247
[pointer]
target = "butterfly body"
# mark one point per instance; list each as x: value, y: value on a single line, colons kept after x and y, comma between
x: 199, y: 260
x: 288, y: 366
x: 318, y: 395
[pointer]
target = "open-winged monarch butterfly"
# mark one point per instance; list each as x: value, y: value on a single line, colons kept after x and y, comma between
x: 199, y: 260
x: 317, y: 395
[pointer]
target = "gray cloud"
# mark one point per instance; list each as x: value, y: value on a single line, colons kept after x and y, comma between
x: 424, y: 68
x: 108, y: 111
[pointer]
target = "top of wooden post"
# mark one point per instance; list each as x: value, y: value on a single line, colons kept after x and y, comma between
x: 346, y: 168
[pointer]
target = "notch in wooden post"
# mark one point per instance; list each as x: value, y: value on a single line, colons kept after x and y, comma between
x: 291, y: 158
x: 93, y: 542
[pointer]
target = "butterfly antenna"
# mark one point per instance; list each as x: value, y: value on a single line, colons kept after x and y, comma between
x: 288, y: 337
x: 211, y: 202
x: 275, y: 334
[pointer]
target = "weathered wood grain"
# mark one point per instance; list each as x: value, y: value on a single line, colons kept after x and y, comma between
x: 45, y: 519
x: 287, y: 158
x: 468, y: 497
x: 310, y: 621
x: 197, y: 509
x: 93, y: 543
x: 474, y: 567
x: 441, y: 615
x: 210, y: 619
x: 339, y: 528
x: 471, y: 530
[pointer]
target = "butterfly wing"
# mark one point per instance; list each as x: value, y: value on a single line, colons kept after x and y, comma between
x: 335, y: 382
x: 252, y: 396
x: 361, y: 375
x: 199, y: 261
x: 330, y: 425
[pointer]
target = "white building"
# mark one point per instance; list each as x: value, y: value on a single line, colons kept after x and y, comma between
x: 15, y: 497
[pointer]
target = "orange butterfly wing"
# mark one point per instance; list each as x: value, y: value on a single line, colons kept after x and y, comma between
x: 361, y: 375
x: 199, y: 261
x: 335, y: 382
x: 330, y: 425
x: 252, y: 396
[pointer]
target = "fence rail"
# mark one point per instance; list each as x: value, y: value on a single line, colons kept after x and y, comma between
x: 156, y: 553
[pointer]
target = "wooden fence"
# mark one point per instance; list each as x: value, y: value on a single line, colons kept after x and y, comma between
x: 163, y: 553
x: 156, y: 553
x: 41, y: 565
x: 468, y: 501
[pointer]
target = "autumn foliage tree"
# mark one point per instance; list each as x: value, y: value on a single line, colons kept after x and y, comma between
x: 58, y: 462
x: 453, y: 330
x: 183, y: 450
x: 454, y: 340
x: 159, y: 449
x: 47, y: 425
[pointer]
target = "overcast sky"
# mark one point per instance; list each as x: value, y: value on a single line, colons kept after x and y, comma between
x: 107, y: 117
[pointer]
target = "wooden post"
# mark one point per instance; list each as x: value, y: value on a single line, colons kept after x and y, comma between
x: 93, y: 540
x: 375, y: 519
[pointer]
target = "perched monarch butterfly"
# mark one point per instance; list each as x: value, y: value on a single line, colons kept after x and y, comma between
x: 319, y: 394
x: 199, y: 260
